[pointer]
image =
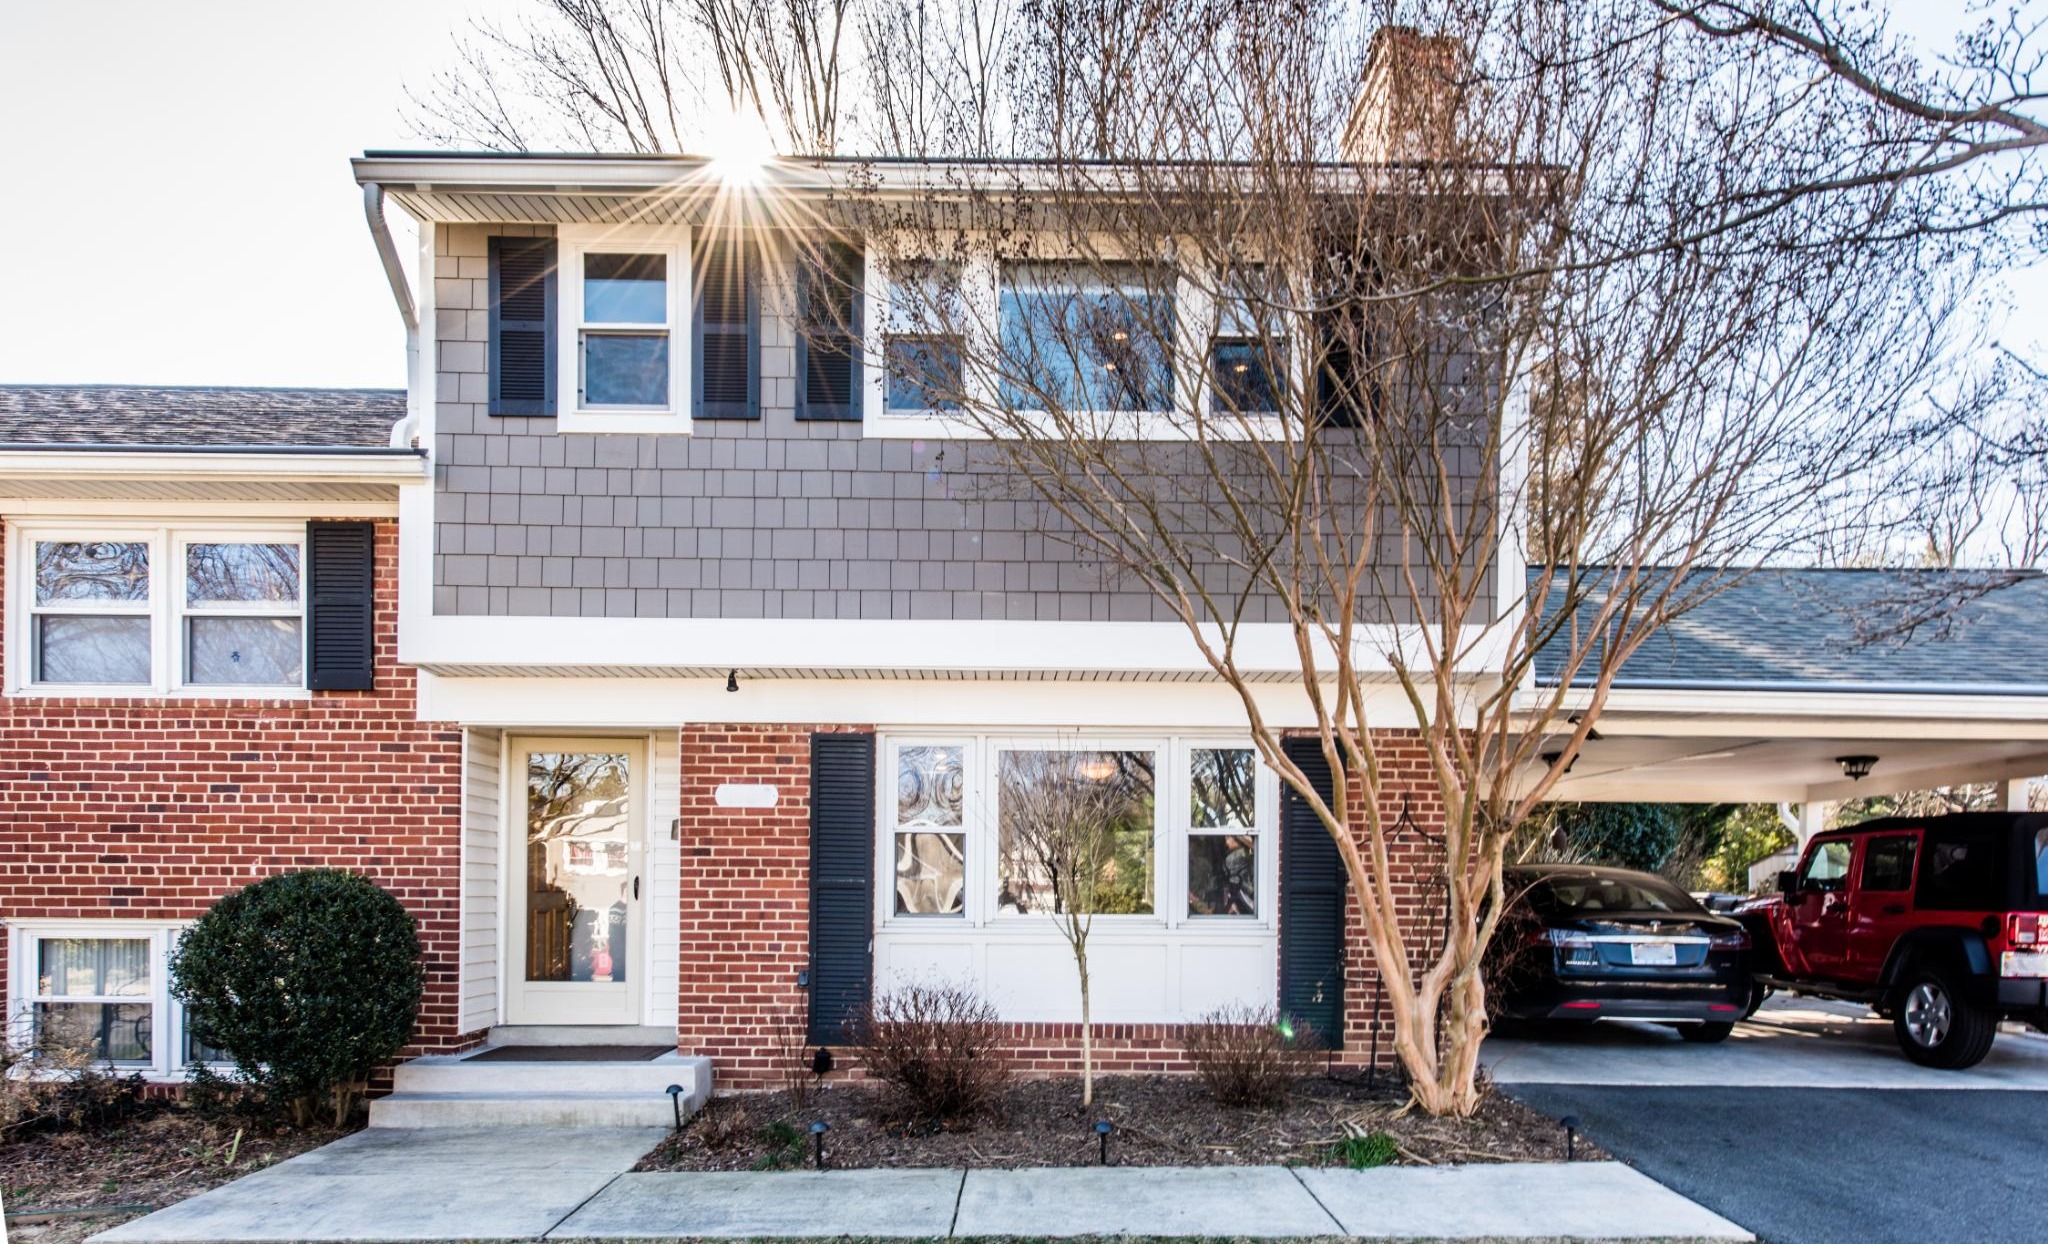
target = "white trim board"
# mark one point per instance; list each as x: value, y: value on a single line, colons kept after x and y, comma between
x: 653, y: 703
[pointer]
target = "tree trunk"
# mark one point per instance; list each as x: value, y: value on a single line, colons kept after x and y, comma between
x: 1087, y: 1032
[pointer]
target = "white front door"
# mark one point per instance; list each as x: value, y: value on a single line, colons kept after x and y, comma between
x: 577, y: 814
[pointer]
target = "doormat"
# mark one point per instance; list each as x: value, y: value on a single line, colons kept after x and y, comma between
x: 570, y: 1054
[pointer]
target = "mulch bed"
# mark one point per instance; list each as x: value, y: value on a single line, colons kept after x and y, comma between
x: 160, y: 1156
x: 1158, y: 1120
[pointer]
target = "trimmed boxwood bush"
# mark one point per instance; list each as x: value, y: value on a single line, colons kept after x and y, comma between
x: 309, y: 981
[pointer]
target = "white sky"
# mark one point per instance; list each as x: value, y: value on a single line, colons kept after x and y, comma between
x: 177, y: 197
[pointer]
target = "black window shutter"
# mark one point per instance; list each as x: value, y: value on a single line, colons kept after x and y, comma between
x: 340, y: 588
x: 828, y: 343
x: 725, y: 382
x: 522, y: 336
x: 842, y: 884
x: 1312, y: 893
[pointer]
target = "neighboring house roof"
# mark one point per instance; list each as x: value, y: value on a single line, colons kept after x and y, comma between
x: 1959, y: 631
x: 196, y: 417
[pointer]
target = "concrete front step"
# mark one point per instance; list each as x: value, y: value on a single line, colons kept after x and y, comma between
x: 459, y: 1073
x: 453, y: 1110
x: 454, y: 1090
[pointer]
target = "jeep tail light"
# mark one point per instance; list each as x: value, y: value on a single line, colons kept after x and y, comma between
x: 2026, y: 928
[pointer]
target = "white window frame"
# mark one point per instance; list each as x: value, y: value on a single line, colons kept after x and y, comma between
x: 166, y: 606
x: 573, y: 243
x: 184, y: 610
x: 1197, y: 324
x: 1172, y: 827
x: 167, y: 1018
x: 1262, y: 831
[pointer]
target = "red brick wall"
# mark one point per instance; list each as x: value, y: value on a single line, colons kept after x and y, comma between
x: 745, y: 915
x: 128, y: 807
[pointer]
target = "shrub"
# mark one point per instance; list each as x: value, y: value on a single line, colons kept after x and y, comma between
x: 1249, y: 1056
x: 46, y: 1086
x: 939, y: 1048
x: 309, y: 981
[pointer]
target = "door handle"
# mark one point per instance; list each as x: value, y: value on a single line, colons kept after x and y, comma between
x: 636, y: 889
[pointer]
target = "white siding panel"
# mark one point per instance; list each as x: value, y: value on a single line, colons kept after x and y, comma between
x: 664, y: 914
x: 482, y: 850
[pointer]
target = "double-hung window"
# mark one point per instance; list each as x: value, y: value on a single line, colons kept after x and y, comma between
x: 1222, y: 830
x: 922, y: 358
x: 927, y: 833
x: 158, y: 609
x: 101, y: 989
x: 624, y: 358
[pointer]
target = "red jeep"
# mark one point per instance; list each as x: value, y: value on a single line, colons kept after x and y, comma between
x: 1939, y: 923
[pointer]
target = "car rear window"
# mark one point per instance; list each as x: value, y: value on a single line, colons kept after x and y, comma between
x: 1961, y: 872
x: 1582, y: 894
x: 2041, y: 864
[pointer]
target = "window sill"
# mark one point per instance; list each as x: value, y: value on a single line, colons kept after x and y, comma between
x: 625, y: 422
x: 116, y: 691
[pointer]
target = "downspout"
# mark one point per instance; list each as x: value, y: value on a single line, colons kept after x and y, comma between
x: 406, y: 431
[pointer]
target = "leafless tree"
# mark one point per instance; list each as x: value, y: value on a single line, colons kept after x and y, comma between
x: 1075, y: 840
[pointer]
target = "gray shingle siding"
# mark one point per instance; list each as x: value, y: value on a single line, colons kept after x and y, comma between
x: 771, y: 518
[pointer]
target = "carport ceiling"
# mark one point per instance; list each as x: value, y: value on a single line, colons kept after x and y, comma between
x: 1763, y: 769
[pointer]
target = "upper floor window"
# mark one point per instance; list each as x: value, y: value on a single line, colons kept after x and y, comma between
x: 163, y: 609
x: 1083, y: 338
x: 619, y: 367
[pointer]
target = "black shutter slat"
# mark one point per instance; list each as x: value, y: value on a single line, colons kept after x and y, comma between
x: 1312, y: 894
x: 522, y: 328
x: 724, y: 378
x: 842, y: 884
x: 340, y: 601
x: 829, y: 343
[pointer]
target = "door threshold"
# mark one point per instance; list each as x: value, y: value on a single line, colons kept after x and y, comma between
x: 582, y: 1034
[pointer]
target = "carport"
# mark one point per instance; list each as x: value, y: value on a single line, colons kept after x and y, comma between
x: 1764, y: 695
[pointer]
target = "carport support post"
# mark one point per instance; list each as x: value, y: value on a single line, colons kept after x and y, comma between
x: 1813, y: 818
x: 2012, y: 794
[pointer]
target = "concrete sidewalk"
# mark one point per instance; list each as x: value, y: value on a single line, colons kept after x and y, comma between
x: 559, y: 1184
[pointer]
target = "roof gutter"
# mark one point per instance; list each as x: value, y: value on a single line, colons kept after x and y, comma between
x: 240, y: 464
x: 1780, y: 685
x: 406, y: 431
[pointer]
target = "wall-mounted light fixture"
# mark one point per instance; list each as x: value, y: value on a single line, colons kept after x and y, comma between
x: 732, y: 680
x: 1856, y: 768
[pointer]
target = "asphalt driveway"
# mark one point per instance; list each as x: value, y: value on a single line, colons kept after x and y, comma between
x: 1807, y: 1166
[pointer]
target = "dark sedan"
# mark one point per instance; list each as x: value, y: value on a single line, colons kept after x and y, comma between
x: 1579, y: 943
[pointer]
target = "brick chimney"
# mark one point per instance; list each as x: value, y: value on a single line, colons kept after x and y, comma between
x: 1408, y: 98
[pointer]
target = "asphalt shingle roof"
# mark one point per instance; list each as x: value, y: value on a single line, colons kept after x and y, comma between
x: 1931, y: 630
x: 201, y: 417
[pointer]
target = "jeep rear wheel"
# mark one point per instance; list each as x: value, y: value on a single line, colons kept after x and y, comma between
x: 1936, y: 1028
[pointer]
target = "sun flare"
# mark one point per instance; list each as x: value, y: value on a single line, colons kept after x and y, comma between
x: 740, y: 147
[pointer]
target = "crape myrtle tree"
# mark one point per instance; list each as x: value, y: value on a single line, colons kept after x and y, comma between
x: 1462, y: 345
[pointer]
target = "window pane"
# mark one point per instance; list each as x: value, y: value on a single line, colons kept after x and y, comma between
x: 241, y: 573
x: 931, y: 874
x: 1075, y: 831
x: 1072, y: 341
x: 928, y: 786
x: 1828, y: 866
x: 114, y: 1030
x: 625, y: 369
x: 92, y: 649
x: 579, y: 880
x: 1888, y: 864
x: 1244, y: 374
x: 95, y: 570
x: 924, y: 373
x: 246, y: 652
x: 1223, y: 877
x: 625, y: 289
x: 92, y: 967
x: 1222, y: 785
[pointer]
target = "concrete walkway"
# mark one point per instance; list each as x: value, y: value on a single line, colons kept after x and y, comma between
x: 557, y: 1184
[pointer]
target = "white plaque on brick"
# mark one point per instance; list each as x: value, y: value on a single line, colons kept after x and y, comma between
x: 743, y: 795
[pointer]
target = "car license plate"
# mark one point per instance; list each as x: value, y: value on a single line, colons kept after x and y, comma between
x: 1653, y: 954
x: 2023, y: 963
